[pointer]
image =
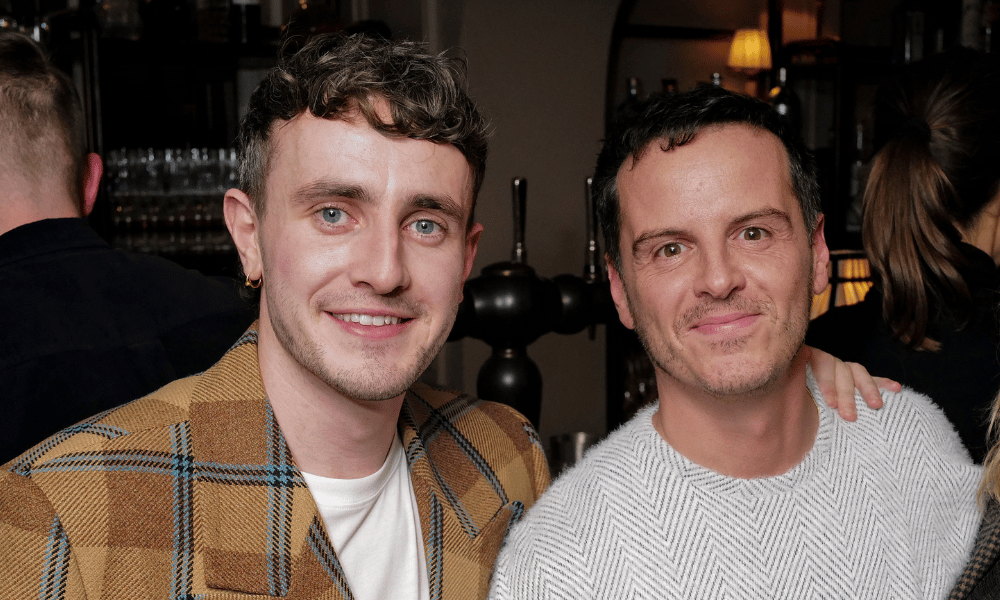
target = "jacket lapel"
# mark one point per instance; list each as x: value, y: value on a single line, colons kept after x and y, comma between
x: 256, y: 522
x: 465, y: 500
x: 257, y: 528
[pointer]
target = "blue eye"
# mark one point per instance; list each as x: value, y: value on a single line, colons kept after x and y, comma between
x: 425, y: 227
x: 332, y: 215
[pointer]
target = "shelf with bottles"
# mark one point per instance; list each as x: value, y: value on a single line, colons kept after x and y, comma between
x: 169, y: 201
x: 835, y: 84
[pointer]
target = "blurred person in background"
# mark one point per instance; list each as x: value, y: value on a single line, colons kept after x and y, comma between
x: 981, y: 578
x: 931, y: 229
x: 84, y: 328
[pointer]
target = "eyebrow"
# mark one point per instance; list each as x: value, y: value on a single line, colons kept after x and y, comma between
x: 766, y: 213
x: 649, y: 236
x: 319, y: 190
x: 442, y: 204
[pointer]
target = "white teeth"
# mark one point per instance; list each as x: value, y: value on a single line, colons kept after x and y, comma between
x: 373, y: 320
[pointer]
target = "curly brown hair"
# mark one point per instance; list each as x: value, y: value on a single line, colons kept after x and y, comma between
x: 334, y: 75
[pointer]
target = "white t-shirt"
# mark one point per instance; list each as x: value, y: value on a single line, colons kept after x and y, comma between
x: 374, y: 525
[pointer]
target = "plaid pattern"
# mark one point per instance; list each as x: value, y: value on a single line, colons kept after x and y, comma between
x: 192, y: 491
x: 984, y: 556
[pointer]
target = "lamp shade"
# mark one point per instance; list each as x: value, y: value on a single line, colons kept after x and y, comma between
x: 750, y: 51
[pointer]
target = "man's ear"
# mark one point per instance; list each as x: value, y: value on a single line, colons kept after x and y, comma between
x: 243, y: 226
x: 471, y: 246
x: 821, y: 257
x: 618, y: 294
x: 92, y: 171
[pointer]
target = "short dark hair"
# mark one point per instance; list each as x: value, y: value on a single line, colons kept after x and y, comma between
x: 675, y: 120
x: 334, y: 75
x: 40, y: 114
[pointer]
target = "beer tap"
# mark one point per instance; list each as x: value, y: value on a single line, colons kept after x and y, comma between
x: 509, y: 306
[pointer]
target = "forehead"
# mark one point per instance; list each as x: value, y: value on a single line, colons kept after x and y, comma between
x: 349, y: 151
x: 724, y: 170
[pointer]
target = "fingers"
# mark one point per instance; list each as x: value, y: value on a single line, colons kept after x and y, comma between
x: 847, y: 379
x: 866, y: 384
x: 888, y: 384
x: 835, y: 382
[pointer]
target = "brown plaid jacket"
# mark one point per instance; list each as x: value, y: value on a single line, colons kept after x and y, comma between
x: 191, y: 493
x: 977, y: 581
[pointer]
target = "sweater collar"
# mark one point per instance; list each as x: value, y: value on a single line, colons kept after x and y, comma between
x: 717, y: 483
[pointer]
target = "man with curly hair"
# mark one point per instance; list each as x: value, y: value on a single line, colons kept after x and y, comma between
x: 306, y: 463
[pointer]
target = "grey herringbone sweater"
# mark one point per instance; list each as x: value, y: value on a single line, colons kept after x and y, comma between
x: 881, y: 508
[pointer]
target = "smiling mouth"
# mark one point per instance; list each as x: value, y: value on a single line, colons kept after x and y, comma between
x: 725, y: 323
x: 370, y: 320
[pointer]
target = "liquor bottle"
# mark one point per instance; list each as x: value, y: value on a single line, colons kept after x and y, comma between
x: 633, y: 96
x: 786, y: 102
x: 714, y: 81
x: 633, y: 90
x: 8, y: 22
x: 909, y: 31
x: 669, y: 86
x: 244, y: 21
x: 856, y: 187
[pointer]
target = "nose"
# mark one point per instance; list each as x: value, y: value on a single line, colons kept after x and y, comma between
x: 379, y: 262
x: 721, y: 273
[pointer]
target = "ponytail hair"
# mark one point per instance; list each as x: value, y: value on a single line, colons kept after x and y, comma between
x: 935, y: 173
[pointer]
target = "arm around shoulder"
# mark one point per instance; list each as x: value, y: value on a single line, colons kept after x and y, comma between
x: 36, y: 557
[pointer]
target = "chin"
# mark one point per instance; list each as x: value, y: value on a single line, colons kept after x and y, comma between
x: 376, y: 379
x: 370, y: 389
x: 740, y: 381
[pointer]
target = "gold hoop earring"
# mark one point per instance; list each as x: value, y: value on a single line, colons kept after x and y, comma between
x: 250, y: 283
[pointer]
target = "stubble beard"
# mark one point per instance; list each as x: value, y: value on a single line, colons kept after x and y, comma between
x: 376, y: 383
x: 668, y: 359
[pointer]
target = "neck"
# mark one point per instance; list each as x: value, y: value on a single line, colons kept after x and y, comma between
x: 28, y: 201
x: 761, y: 434
x: 328, y: 434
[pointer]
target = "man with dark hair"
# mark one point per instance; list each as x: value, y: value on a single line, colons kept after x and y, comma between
x: 85, y: 328
x: 306, y: 463
x: 739, y: 481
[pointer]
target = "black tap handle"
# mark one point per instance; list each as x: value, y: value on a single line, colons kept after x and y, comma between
x: 592, y: 256
x: 519, y: 188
